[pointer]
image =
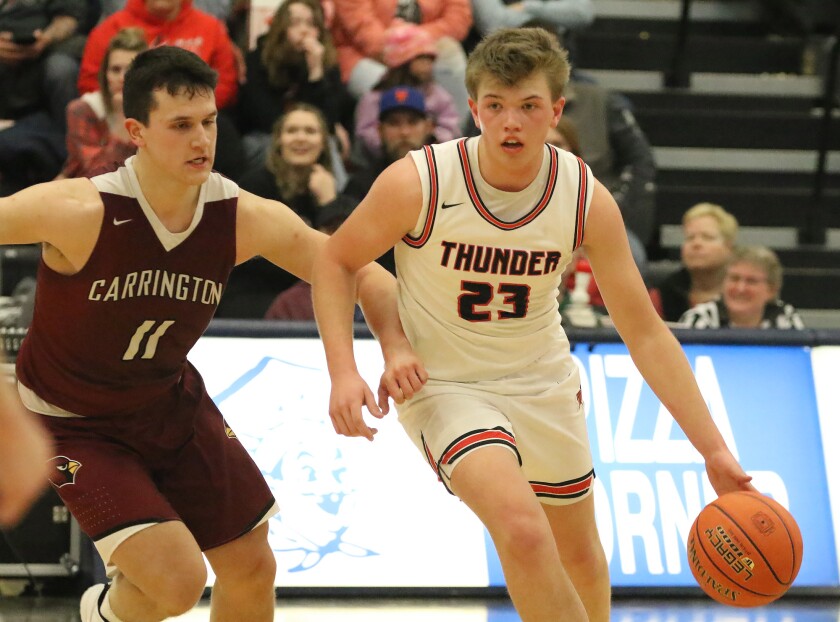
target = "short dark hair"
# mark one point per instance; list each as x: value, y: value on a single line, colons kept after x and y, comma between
x: 173, y: 68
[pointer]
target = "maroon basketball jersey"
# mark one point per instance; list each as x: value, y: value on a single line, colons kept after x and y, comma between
x: 114, y: 337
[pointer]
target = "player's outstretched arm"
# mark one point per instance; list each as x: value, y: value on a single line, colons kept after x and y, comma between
x: 66, y: 214
x: 24, y: 451
x: 654, y: 349
x: 390, y: 209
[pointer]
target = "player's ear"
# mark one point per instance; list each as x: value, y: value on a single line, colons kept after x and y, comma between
x: 557, y: 107
x: 474, y: 112
x: 135, y: 131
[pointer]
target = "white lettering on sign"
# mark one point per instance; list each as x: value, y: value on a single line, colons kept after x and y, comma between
x: 644, y: 516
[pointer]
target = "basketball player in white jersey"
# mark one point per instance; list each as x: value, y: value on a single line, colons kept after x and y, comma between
x: 483, y: 229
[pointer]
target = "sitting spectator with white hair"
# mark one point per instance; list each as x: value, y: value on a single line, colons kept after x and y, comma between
x: 750, y: 297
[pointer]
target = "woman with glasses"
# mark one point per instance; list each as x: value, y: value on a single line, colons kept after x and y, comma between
x: 750, y: 299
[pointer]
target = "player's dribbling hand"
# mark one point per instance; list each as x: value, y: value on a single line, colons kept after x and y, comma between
x: 725, y: 474
x: 349, y: 393
x: 404, y: 376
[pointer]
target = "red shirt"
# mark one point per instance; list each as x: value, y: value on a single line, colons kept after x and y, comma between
x: 191, y: 29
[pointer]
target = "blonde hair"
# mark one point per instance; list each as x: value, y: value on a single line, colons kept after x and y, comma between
x: 761, y: 257
x: 511, y: 55
x: 128, y: 40
x: 727, y: 223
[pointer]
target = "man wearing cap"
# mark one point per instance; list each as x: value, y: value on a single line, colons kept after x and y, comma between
x: 404, y: 126
x: 410, y: 54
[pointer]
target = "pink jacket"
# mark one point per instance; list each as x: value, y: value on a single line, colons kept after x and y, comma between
x: 359, y: 27
x: 192, y: 29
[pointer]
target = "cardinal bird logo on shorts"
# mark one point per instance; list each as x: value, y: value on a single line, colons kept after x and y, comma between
x: 63, y: 471
x: 229, y: 431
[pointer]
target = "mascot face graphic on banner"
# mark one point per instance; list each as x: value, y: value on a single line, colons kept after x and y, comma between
x: 300, y: 456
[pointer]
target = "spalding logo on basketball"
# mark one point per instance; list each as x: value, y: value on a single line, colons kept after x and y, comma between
x: 744, y: 549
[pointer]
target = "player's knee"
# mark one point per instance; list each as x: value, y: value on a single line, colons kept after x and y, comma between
x: 181, y: 591
x: 584, y: 552
x: 525, y: 531
x: 255, y: 574
x: 262, y: 567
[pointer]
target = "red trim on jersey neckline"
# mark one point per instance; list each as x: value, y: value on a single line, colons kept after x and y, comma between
x: 583, y: 180
x: 431, y: 164
x: 477, y: 438
x: 565, y: 490
x: 485, y: 213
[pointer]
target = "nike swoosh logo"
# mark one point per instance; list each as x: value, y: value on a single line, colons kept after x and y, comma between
x: 121, y: 222
x: 448, y: 205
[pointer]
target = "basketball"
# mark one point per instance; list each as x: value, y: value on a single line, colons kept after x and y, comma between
x: 744, y: 549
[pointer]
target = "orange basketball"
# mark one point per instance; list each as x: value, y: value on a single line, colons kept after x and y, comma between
x: 744, y: 549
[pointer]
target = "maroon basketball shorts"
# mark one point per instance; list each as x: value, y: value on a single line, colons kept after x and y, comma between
x: 120, y: 474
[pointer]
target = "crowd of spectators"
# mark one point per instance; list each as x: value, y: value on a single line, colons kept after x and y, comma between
x: 315, y: 106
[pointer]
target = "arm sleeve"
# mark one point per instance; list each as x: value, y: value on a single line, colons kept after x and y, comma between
x: 635, y: 189
x: 441, y: 106
x: 95, y: 48
x: 78, y: 122
x: 454, y: 21
x: 568, y: 14
x: 490, y: 15
x: 358, y: 18
x: 325, y: 94
x: 367, y: 122
x: 70, y: 8
x: 224, y: 62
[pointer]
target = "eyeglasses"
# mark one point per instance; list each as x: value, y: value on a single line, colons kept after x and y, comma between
x: 750, y: 281
x: 703, y: 237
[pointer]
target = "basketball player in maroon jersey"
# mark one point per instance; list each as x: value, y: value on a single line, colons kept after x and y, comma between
x: 134, y: 263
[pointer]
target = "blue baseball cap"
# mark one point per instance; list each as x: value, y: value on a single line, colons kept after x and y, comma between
x: 402, y: 98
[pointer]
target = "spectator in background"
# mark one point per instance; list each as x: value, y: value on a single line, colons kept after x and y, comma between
x: 40, y: 48
x: 178, y: 23
x: 562, y: 17
x: 96, y: 134
x: 360, y: 30
x: 404, y: 125
x: 295, y: 303
x: 750, y: 299
x: 618, y: 152
x: 410, y: 54
x: 566, y: 136
x: 297, y: 172
x: 295, y: 61
x: 709, y: 234
x: 220, y: 9
x: 166, y: 22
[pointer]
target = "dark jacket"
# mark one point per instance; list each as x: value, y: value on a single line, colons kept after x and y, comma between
x: 260, y: 103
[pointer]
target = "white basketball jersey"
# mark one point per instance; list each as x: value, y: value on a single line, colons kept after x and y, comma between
x: 479, y: 275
